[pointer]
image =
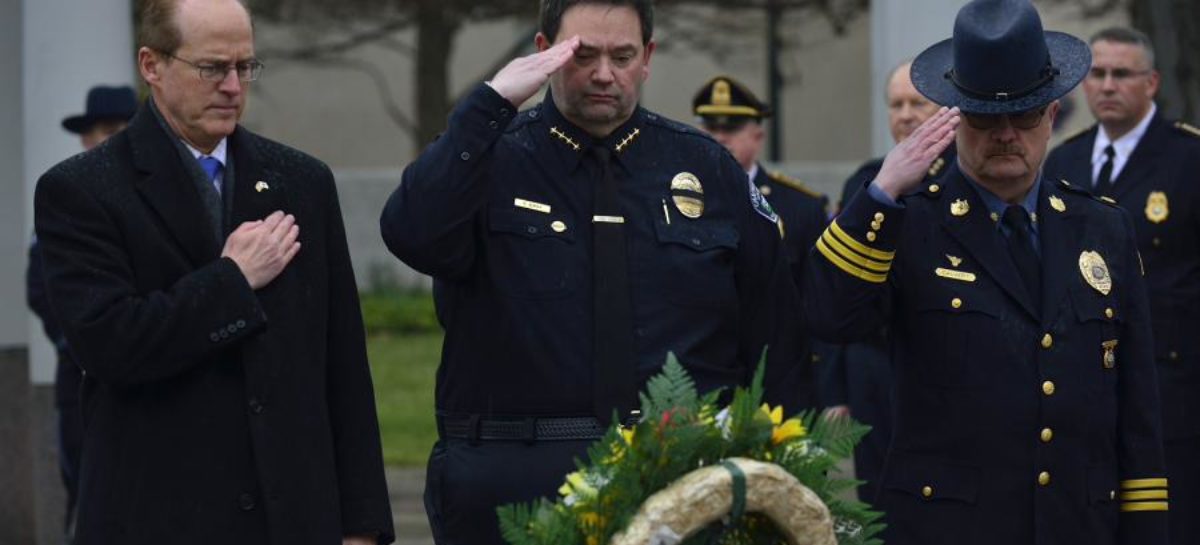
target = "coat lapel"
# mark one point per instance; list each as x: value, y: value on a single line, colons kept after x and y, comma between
x: 166, y: 187
x: 1143, y: 160
x: 1060, y: 232
x: 979, y: 236
x: 258, y: 191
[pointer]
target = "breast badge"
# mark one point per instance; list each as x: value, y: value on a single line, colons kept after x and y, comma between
x: 1156, y: 207
x: 1095, y: 272
x: 960, y: 207
x: 1057, y: 204
x: 688, y: 195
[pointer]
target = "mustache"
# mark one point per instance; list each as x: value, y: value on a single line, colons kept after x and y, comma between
x: 1006, y: 150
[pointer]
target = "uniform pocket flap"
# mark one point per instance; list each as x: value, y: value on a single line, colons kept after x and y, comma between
x: 1089, y: 307
x: 932, y: 480
x: 698, y: 237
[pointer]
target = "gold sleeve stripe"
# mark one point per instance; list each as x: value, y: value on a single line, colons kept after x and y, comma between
x: 1144, y: 495
x: 1144, y: 506
x: 858, y: 246
x: 847, y: 267
x: 1133, y: 484
x: 855, y: 258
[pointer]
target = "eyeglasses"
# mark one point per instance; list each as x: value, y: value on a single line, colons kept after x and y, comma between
x: 247, y: 70
x: 1119, y: 75
x: 1021, y: 120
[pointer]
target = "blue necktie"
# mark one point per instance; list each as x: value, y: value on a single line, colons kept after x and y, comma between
x: 212, y: 167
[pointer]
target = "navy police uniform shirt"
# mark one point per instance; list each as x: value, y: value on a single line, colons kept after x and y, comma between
x: 1013, y: 423
x: 498, y: 211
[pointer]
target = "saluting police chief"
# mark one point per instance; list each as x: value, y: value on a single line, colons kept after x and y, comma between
x: 1150, y: 165
x: 1026, y: 401
x: 574, y: 245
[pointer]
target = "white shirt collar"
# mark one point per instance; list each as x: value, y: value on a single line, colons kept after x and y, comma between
x: 753, y: 171
x: 218, y: 152
x: 1123, y: 146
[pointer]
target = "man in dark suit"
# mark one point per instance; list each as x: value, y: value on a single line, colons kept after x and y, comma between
x: 734, y: 116
x: 226, y: 393
x: 107, y: 112
x: 1026, y: 401
x: 1151, y: 167
x: 858, y: 380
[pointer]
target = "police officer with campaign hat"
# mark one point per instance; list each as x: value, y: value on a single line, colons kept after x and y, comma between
x: 574, y: 245
x: 731, y: 113
x: 1150, y: 165
x: 1026, y: 401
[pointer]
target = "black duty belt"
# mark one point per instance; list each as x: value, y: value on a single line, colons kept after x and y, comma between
x: 530, y: 429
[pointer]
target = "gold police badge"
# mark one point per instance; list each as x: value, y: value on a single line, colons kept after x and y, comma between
x: 687, y: 194
x: 960, y: 207
x: 1057, y: 204
x: 1095, y: 271
x: 1156, y: 207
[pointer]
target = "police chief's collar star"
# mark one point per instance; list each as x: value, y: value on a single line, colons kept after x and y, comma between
x: 564, y: 136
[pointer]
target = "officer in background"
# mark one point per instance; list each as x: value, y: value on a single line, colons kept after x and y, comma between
x: 107, y: 111
x: 574, y: 245
x: 858, y: 380
x: 731, y: 113
x: 1151, y: 167
x: 1026, y: 403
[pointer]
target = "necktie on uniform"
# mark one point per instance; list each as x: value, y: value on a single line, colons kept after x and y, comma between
x: 212, y: 167
x: 1020, y: 247
x: 1104, y: 180
x: 614, y: 374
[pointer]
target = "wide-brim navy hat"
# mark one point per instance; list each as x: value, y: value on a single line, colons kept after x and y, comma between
x: 1000, y: 61
x: 103, y: 103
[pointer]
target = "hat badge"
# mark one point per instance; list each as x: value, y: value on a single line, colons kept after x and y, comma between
x: 721, y: 94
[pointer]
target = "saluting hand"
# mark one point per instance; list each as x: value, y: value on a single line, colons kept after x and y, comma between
x: 523, y: 76
x: 263, y: 248
x: 905, y: 166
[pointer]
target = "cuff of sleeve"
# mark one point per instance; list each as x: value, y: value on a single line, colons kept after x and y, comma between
x: 1143, y: 504
x: 861, y: 241
x: 881, y: 197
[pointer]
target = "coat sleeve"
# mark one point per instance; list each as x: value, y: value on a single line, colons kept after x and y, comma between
x: 847, y: 282
x: 428, y: 220
x: 362, y: 486
x: 120, y: 336
x: 1143, y: 487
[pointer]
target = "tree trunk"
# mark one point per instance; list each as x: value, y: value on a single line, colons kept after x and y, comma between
x: 436, y: 28
x: 1174, y: 28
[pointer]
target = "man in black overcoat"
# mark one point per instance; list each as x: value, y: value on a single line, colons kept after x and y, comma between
x: 226, y: 393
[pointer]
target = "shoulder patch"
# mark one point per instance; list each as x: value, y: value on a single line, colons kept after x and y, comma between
x: 790, y: 182
x: 1189, y: 129
x: 760, y: 204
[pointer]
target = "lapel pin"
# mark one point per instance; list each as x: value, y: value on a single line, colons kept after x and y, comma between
x: 1057, y: 203
x: 261, y: 186
x: 954, y: 260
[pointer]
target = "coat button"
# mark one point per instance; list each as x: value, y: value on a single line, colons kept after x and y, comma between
x: 1047, y: 435
x: 1173, y: 355
x: 1047, y: 341
x: 493, y: 124
x: 246, y: 501
x: 223, y: 334
x: 214, y: 337
x: 232, y: 328
x: 1108, y: 313
x: 879, y: 217
x: 870, y: 236
x: 531, y: 230
x: 241, y: 324
x: 1044, y: 478
x: 934, y: 188
x: 927, y: 491
x: 956, y: 302
x: 465, y: 156
x: 1048, y: 387
x: 256, y: 406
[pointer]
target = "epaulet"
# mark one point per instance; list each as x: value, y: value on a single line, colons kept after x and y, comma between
x: 1078, y: 134
x: 1069, y: 187
x: 532, y: 115
x: 788, y: 181
x: 1187, y: 128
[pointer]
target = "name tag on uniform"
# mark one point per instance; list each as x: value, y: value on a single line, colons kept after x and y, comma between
x: 530, y: 205
x: 961, y: 276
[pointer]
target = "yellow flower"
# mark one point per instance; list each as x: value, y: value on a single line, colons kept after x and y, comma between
x: 783, y: 430
x: 627, y: 435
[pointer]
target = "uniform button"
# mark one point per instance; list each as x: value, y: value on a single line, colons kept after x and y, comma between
x: 224, y: 334
x: 503, y: 111
x: 531, y: 230
x: 1108, y: 313
x: 256, y: 406
x: 879, y: 217
x: 1047, y: 435
x: 875, y: 225
x: 1048, y: 387
x: 465, y: 156
x: 493, y: 124
x: 956, y: 302
x: 816, y: 358
x: 246, y: 501
x: 1156, y: 242
x: 1047, y: 341
x: 1173, y: 355
x: 934, y: 188
x: 214, y: 337
x: 696, y: 241
x: 927, y: 491
x: 241, y: 324
x: 558, y: 226
x: 533, y: 114
x: 1044, y: 478
x: 871, y: 236
x: 231, y: 328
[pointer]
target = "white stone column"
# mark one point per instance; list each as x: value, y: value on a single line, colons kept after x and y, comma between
x: 900, y: 29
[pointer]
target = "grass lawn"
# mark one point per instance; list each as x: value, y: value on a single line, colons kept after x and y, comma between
x: 403, y: 368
